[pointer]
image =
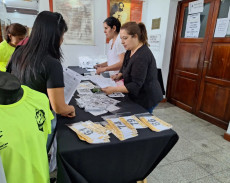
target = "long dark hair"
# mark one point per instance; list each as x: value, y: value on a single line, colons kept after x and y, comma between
x: 133, y: 28
x: 44, y: 40
x: 14, y: 29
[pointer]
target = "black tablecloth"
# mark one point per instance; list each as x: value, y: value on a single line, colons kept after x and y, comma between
x: 114, y: 162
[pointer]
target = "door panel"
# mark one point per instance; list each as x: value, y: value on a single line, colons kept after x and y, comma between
x: 215, y: 100
x: 184, y: 91
x: 219, y: 66
x: 188, y: 60
x: 188, y: 57
x: 199, y: 79
x: 215, y: 82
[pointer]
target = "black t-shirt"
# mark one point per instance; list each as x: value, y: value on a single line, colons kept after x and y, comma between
x: 140, y: 77
x: 48, y: 75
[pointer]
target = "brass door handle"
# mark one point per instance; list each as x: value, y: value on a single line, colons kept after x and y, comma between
x: 206, y: 63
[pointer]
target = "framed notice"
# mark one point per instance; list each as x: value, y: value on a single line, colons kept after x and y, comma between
x: 79, y: 16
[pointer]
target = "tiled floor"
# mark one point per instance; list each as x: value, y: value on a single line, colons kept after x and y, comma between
x: 200, y: 156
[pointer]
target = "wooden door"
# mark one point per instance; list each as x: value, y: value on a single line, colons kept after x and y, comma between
x: 199, y: 77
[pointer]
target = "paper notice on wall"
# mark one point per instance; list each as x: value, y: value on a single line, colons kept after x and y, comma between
x: 154, y: 41
x: 229, y: 13
x: 193, y: 26
x: 221, y: 27
x: 196, y: 7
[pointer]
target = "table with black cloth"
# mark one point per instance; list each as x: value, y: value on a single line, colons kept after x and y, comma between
x: 114, y: 162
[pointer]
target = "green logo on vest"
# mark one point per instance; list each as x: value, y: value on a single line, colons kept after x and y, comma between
x: 40, y: 118
x: 2, y: 146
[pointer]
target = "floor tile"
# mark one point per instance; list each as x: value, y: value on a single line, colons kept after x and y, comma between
x: 183, y: 150
x: 223, y: 177
x: 205, y: 145
x: 220, y: 141
x: 222, y: 155
x: 208, y: 179
x: 209, y: 163
x: 181, y: 171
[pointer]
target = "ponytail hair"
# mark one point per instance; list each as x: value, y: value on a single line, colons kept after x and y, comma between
x: 15, y: 29
x: 139, y: 29
x: 143, y: 37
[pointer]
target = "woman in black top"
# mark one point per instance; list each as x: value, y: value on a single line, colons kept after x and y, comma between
x: 139, y: 68
x: 37, y: 63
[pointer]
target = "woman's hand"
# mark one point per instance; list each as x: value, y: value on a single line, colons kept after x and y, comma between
x: 116, y: 77
x: 96, y: 66
x: 71, y: 111
x: 109, y: 90
x: 100, y: 70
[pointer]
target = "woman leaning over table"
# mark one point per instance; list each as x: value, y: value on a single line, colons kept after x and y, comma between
x: 14, y: 34
x: 139, y: 68
x: 116, y: 50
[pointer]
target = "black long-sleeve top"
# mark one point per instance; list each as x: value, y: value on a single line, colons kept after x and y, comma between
x: 140, y: 77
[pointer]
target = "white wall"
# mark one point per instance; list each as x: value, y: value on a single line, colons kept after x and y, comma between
x: 23, y: 19
x: 166, y: 10
x: 152, y: 10
x: 168, y: 40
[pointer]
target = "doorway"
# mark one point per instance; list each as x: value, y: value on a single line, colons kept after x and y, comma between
x: 199, y: 77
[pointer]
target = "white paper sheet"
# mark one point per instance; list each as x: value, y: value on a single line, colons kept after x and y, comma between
x: 196, y: 7
x: 221, y: 27
x: 193, y: 26
x: 115, y: 95
x: 71, y: 82
x: 101, y: 81
x: 73, y: 73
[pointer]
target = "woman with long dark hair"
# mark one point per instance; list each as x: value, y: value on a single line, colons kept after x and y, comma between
x: 37, y: 64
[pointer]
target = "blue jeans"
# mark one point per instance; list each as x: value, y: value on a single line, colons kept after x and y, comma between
x: 150, y: 110
x: 53, y: 131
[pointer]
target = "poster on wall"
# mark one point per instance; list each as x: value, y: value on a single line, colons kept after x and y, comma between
x: 79, y: 16
x: 221, y: 27
x: 125, y: 10
x: 196, y: 7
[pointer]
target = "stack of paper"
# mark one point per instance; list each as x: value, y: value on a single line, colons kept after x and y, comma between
x: 120, y: 129
x: 90, y: 132
x: 84, y: 88
x: 155, y: 124
x: 134, y: 121
x: 97, y: 104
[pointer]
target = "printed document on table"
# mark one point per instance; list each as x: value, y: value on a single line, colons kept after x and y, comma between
x: 71, y: 82
x: 101, y: 81
x: 73, y: 73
